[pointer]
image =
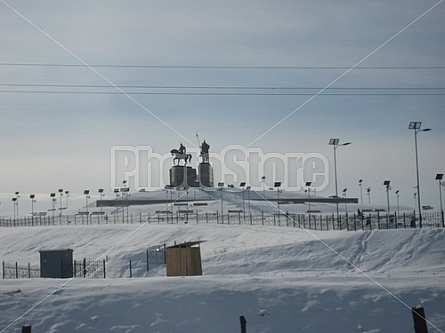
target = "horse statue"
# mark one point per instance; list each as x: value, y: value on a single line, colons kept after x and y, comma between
x: 181, y: 154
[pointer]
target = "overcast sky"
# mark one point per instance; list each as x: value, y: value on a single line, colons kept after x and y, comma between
x: 230, y: 70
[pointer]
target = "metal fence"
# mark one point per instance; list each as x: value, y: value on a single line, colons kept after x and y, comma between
x: 319, y: 221
x: 89, y: 268
x: 11, y: 270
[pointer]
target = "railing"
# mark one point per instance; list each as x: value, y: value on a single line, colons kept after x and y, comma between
x: 314, y: 221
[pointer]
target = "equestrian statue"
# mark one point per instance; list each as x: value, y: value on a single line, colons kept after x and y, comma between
x: 181, y: 154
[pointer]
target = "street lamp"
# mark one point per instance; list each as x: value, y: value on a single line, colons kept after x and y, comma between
x: 243, y: 185
x: 101, y: 196
x: 32, y: 197
x: 87, y: 196
x: 368, y: 192
x: 16, y: 201
x: 221, y: 188
x: 277, y: 186
x: 388, y: 188
x: 60, y: 207
x: 398, y: 207
x: 263, y: 180
x: 53, y: 203
x: 361, y: 190
x: 308, y: 184
x: 335, y: 143
x: 67, y: 194
x: 415, y: 125
x: 439, y: 177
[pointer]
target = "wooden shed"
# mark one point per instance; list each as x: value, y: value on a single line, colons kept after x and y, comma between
x: 184, y: 259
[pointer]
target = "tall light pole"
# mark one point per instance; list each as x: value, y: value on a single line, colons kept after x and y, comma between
x: 368, y: 192
x: 87, y: 196
x: 308, y: 184
x: 416, y: 125
x: 53, y: 203
x: 243, y: 185
x: 361, y: 190
x: 344, y: 196
x: 32, y: 197
x: 248, y: 188
x: 101, y: 196
x: 221, y: 188
x: 398, y: 207
x: 14, y: 202
x: 277, y: 185
x: 388, y: 188
x: 335, y: 143
x: 439, y: 177
x: 17, y: 196
x: 67, y: 194
x: 60, y: 206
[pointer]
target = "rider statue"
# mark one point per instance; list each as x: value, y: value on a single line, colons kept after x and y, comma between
x: 205, y: 152
x: 182, y: 150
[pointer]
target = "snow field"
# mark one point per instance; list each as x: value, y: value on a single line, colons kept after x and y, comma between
x: 281, y: 279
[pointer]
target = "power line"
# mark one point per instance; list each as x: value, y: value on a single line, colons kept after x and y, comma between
x: 225, y: 67
x: 212, y: 93
x: 213, y: 87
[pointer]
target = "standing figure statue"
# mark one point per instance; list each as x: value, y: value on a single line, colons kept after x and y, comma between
x: 205, y: 152
x: 181, y: 154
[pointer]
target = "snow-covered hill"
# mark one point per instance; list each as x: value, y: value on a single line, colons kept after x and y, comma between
x: 281, y: 279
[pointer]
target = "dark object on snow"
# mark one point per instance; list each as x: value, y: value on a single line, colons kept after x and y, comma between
x: 419, y: 320
x: 26, y: 329
x: 243, y: 324
x: 56, y: 264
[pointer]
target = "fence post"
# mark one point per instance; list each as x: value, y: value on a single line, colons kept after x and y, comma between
x: 29, y: 270
x: 131, y: 273
x: 243, y: 324
x: 3, y: 269
x: 105, y: 274
x: 419, y: 320
x: 26, y: 329
x: 84, y: 267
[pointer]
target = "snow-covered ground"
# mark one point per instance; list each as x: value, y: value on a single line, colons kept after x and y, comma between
x: 281, y: 279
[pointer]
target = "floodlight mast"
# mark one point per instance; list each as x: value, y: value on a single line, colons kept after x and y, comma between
x: 416, y: 125
x: 439, y: 177
x: 386, y: 184
x: 308, y: 184
x: 335, y: 142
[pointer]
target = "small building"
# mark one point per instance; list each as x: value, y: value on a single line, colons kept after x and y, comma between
x: 56, y: 264
x: 184, y: 259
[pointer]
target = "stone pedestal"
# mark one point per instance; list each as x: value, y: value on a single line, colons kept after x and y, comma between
x: 205, y: 172
x: 183, y: 176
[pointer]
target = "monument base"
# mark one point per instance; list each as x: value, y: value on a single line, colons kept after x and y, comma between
x: 183, y: 176
x: 205, y: 171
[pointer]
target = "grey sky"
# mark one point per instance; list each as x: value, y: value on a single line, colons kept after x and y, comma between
x: 54, y: 140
